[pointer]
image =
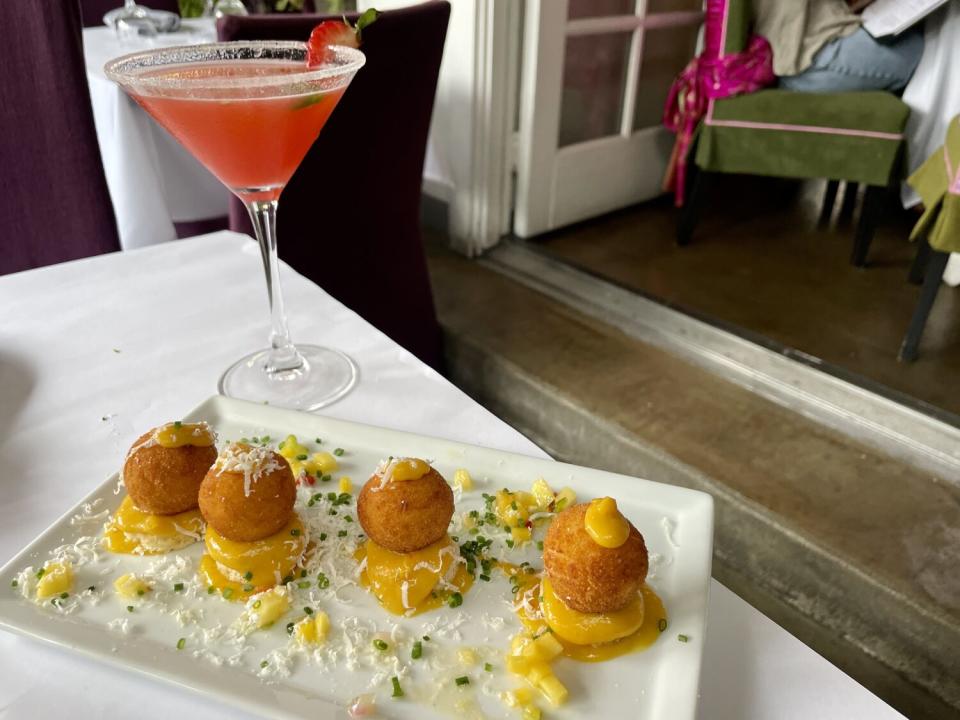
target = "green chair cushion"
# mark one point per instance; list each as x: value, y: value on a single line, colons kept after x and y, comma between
x: 932, y: 181
x: 855, y: 136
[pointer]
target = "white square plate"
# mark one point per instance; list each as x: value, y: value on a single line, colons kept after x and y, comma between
x: 659, y: 683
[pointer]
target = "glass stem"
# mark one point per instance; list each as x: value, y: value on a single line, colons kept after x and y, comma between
x: 282, y: 356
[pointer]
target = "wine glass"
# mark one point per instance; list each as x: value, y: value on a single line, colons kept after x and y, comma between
x: 249, y: 111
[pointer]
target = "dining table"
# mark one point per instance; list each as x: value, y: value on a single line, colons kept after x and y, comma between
x: 94, y: 350
x: 154, y: 182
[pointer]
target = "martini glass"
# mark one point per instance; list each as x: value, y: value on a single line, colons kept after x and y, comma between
x: 249, y: 111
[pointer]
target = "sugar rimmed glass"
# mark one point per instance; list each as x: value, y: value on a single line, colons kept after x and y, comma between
x: 249, y: 111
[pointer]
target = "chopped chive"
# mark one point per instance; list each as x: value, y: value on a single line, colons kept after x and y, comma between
x: 129, y: 608
x: 303, y: 573
x: 397, y: 690
x: 91, y: 588
x: 290, y: 628
x: 263, y: 663
x: 348, y: 518
x: 177, y: 423
x: 332, y: 497
x: 342, y: 533
x: 323, y: 536
x: 64, y: 595
x: 257, y: 604
x: 326, y: 478
x: 317, y: 440
x: 13, y: 583
x: 303, y: 584
x: 288, y: 579
x: 338, y: 452
x: 323, y: 581
x: 331, y: 511
x: 295, y: 532
x: 417, y: 652
x: 308, y: 611
x: 228, y: 593
x: 484, y: 577
x: 455, y: 600
x: 662, y: 624
x: 380, y: 644
x: 539, y: 544
x: 40, y: 573
x: 211, y: 590
x: 178, y: 587
x: 181, y: 643
x: 462, y: 680
x: 248, y: 575
x: 509, y: 543
x: 488, y: 667
x: 302, y: 457
x: 427, y: 638
x: 683, y: 638
x: 248, y: 588
x: 140, y: 592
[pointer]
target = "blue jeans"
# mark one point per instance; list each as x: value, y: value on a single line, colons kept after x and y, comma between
x: 861, y: 62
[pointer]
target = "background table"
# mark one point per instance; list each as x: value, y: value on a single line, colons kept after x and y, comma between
x: 94, y: 351
x: 153, y: 181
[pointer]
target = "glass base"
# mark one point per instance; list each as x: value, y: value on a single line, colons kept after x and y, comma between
x: 325, y: 376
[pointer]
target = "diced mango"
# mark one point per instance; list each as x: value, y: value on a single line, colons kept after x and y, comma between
x: 272, y: 605
x: 565, y: 498
x: 466, y: 656
x: 542, y: 493
x: 57, y: 578
x: 313, y: 629
x: 538, y: 670
x: 322, y: 462
x: 553, y: 690
x: 462, y: 478
x: 510, y: 510
x: 130, y: 586
x: 545, y: 647
x: 518, y: 664
x: 346, y: 485
x: 531, y: 712
x: 290, y: 448
x: 523, y: 695
x: 520, y: 534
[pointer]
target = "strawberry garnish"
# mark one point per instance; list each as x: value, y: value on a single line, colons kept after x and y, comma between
x: 336, y: 32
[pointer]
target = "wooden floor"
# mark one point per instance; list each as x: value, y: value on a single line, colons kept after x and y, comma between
x: 759, y: 265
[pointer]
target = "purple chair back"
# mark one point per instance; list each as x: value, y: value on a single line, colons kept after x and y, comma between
x: 54, y: 204
x: 92, y: 11
x: 350, y: 217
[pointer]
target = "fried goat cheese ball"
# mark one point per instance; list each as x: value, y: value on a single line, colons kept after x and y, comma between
x: 248, y: 494
x: 405, y: 506
x: 165, y: 466
x: 595, y: 563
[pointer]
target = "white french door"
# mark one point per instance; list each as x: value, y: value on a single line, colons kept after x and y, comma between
x: 594, y: 79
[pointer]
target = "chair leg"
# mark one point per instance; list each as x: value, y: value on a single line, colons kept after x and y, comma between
x: 697, y: 186
x: 869, y: 216
x: 928, y: 293
x: 920, y: 262
x: 829, y: 198
x: 849, y: 202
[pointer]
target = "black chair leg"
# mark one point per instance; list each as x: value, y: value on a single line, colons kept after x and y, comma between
x: 849, y: 202
x: 697, y: 187
x: 869, y: 217
x: 920, y: 262
x: 829, y: 198
x: 928, y: 293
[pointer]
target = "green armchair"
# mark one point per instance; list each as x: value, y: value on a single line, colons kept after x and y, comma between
x: 851, y: 136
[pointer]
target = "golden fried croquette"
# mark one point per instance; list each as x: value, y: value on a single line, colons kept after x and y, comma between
x: 165, y: 480
x: 586, y: 576
x: 405, y: 515
x: 248, y: 494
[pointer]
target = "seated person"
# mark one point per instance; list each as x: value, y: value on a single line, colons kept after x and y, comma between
x: 819, y: 46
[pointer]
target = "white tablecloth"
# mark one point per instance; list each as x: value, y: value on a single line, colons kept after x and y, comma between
x: 178, y: 314
x: 153, y: 180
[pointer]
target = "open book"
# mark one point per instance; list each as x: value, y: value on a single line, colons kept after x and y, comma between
x: 892, y: 17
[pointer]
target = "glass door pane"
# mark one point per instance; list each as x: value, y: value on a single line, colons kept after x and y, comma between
x: 594, y: 75
x: 665, y: 53
x: 599, y: 8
